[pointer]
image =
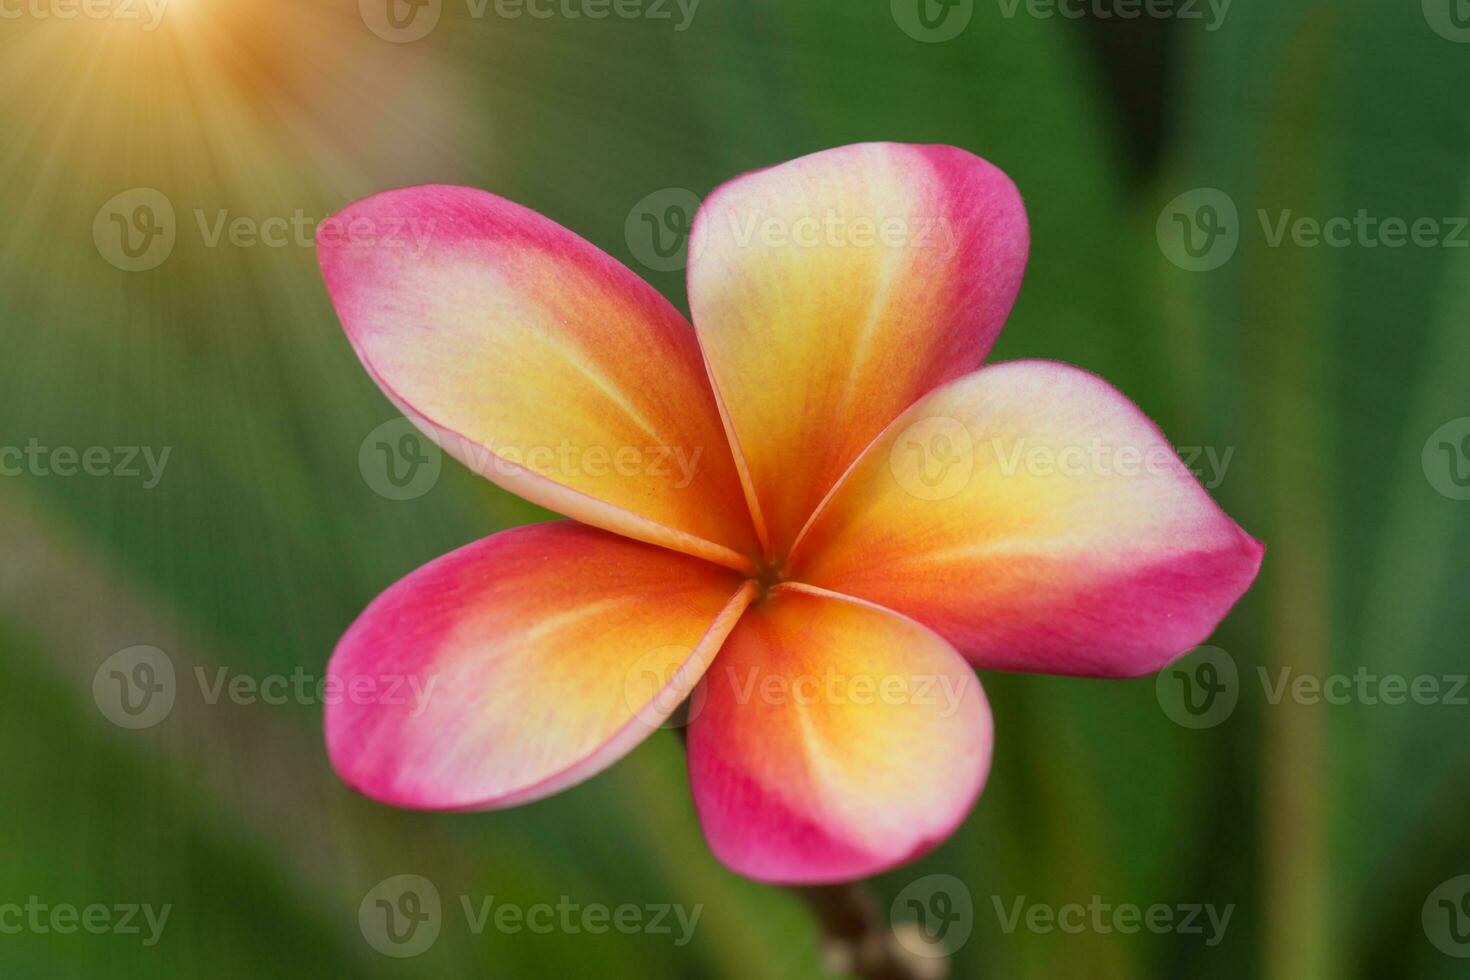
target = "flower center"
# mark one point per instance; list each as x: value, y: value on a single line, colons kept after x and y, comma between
x: 768, y: 575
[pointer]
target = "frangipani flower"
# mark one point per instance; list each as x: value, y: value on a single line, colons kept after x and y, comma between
x: 869, y: 515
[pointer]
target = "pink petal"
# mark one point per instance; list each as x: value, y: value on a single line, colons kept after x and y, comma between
x: 831, y: 292
x: 540, y: 362
x: 835, y: 740
x: 1035, y: 518
x: 520, y: 665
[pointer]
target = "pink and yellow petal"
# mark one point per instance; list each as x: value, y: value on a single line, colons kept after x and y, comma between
x: 520, y: 665
x: 831, y: 292
x: 834, y: 740
x: 1035, y: 518
x: 540, y: 362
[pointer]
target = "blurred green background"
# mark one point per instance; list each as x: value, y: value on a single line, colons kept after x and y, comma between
x: 1327, y: 369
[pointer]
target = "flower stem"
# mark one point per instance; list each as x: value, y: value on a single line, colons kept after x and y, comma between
x: 858, y: 941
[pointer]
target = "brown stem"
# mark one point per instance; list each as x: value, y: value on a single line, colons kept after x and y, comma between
x: 858, y: 941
